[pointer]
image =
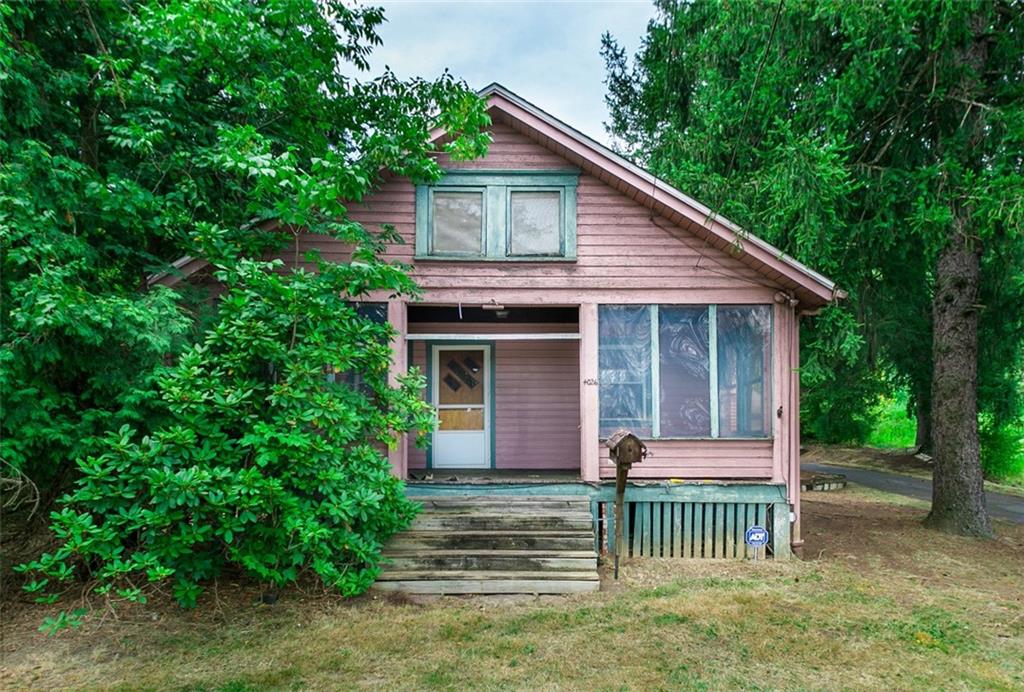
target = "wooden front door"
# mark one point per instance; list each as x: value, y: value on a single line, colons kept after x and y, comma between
x: 461, y: 391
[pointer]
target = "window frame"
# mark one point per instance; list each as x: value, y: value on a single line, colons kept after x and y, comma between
x: 509, y: 191
x: 497, y: 188
x: 713, y: 402
x: 482, y: 191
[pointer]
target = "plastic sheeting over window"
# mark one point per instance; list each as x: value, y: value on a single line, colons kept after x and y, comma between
x: 624, y: 363
x: 684, y: 357
x: 677, y: 371
x: 744, y: 371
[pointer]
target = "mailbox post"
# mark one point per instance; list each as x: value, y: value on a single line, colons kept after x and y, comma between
x: 625, y: 449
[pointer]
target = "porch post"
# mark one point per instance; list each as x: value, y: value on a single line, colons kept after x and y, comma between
x: 399, y: 366
x: 782, y: 325
x: 589, y: 443
x: 794, y: 433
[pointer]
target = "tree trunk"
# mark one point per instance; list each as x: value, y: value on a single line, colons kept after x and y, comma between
x: 958, y: 494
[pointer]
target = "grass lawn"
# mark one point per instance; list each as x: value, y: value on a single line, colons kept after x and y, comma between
x: 879, y: 603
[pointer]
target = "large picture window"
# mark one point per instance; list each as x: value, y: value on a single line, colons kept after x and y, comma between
x: 674, y: 371
x: 517, y: 216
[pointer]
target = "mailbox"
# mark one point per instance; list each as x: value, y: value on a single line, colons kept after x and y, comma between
x: 625, y: 448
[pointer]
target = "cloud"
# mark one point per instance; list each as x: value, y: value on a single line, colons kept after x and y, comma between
x: 547, y: 52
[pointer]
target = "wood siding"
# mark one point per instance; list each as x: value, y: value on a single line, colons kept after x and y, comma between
x: 625, y: 254
x: 719, y: 459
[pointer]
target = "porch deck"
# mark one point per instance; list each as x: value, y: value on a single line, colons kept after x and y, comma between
x: 664, y: 518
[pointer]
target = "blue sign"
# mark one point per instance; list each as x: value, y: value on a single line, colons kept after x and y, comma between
x: 756, y: 536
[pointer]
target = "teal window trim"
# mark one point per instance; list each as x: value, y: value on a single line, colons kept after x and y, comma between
x: 485, y: 202
x: 655, y: 317
x: 497, y: 187
x: 713, y: 402
x: 713, y: 368
x: 491, y: 371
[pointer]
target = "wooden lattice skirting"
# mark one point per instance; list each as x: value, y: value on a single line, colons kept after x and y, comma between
x: 685, y: 529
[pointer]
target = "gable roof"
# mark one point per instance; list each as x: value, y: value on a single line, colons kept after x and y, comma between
x: 811, y: 288
x: 808, y: 286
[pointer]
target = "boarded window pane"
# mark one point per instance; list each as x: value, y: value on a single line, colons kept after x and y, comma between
x: 461, y: 377
x: 744, y: 369
x: 458, y: 223
x: 685, y: 393
x: 461, y: 418
x: 624, y: 362
x: 536, y: 227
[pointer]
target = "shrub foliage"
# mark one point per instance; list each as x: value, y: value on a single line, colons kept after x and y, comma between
x: 252, y: 438
x: 268, y: 464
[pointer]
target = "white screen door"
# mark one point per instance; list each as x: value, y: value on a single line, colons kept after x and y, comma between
x: 461, y: 392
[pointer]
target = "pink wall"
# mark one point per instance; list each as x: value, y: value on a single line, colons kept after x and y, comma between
x: 625, y: 254
x: 701, y: 459
x: 536, y: 395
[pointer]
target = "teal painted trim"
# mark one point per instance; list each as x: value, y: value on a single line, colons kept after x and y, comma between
x: 655, y: 313
x: 507, y: 237
x: 497, y: 212
x: 754, y: 493
x: 569, y: 222
x: 713, y: 367
x: 781, y: 542
x: 492, y: 415
x: 496, y: 186
x: 422, y: 219
x: 549, y: 259
x: 429, y: 367
x: 484, y: 219
x: 555, y: 178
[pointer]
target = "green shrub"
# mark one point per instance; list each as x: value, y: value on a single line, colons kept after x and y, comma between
x: 893, y: 428
x: 269, y: 466
x: 1002, y: 450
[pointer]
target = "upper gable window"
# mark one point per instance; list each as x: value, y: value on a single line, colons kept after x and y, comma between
x: 501, y: 215
x: 458, y: 222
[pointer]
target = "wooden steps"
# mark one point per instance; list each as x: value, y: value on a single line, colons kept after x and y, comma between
x: 489, y: 545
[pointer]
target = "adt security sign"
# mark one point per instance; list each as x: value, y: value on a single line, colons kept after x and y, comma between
x: 757, y: 537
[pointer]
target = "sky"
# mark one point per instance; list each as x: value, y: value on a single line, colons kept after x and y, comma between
x: 547, y: 52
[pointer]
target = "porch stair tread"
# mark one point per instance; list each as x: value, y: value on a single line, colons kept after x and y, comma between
x: 416, y: 552
x: 500, y: 500
x: 503, y: 504
x: 457, y: 587
x: 480, y: 544
x: 426, y: 575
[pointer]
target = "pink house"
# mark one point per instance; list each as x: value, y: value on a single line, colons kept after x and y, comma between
x: 568, y: 293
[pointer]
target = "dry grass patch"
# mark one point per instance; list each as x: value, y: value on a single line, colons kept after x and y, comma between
x: 882, y: 603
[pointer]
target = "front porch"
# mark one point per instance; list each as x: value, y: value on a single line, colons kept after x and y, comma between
x: 668, y: 519
x: 518, y: 532
x: 506, y: 384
